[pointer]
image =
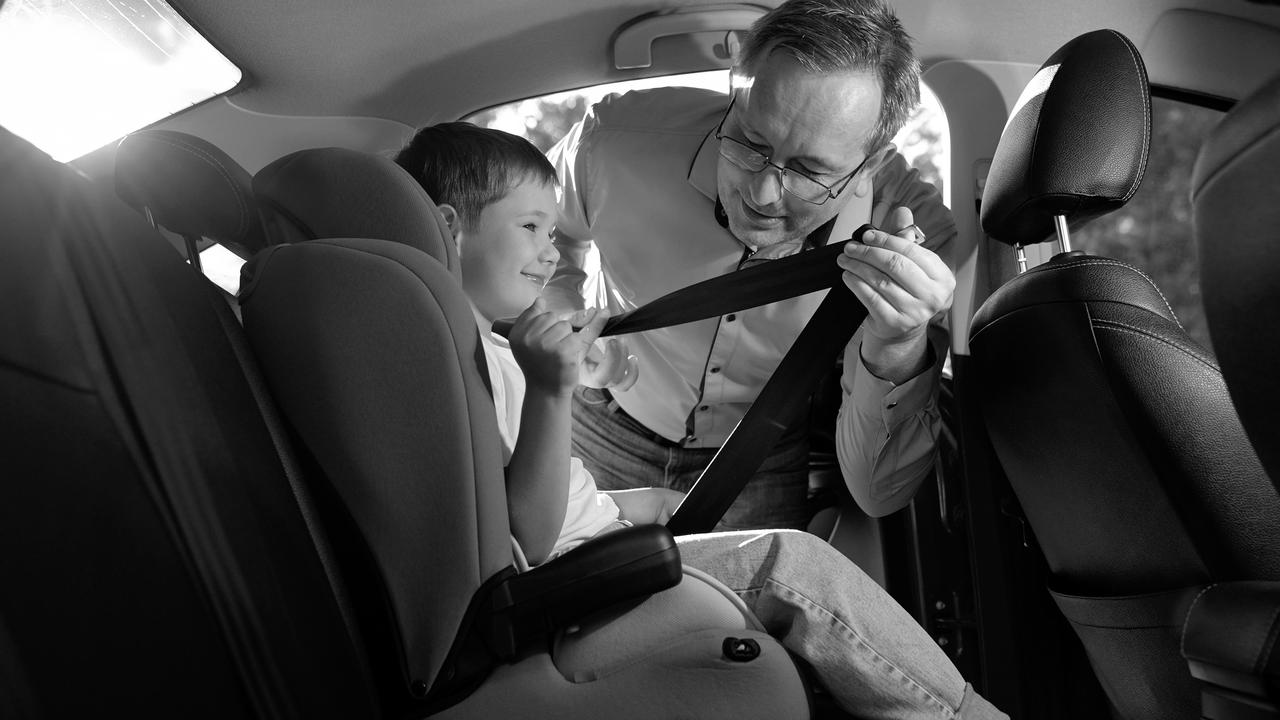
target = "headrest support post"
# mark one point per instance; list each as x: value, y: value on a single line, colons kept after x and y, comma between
x: 1021, y: 256
x: 1064, y: 234
x: 193, y: 252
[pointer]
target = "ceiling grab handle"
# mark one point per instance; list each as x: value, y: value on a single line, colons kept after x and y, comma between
x: 632, y: 48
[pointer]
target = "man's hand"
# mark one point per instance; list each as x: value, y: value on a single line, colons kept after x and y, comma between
x: 610, y: 367
x: 548, y: 349
x: 903, y: 285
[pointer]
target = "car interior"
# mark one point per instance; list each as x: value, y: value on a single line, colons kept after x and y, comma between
x: 285, y: 497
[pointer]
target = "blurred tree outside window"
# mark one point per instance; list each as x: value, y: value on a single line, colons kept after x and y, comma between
x: 1153, y: 231
x: 923, y: 141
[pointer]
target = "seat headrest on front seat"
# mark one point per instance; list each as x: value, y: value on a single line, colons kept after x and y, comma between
x: 190, y: 187
x: 339, y: 193
x: 1235, y: 201
x: 1076, y: 143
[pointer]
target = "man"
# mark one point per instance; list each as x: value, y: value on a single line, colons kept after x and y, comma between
x: 673, y: 186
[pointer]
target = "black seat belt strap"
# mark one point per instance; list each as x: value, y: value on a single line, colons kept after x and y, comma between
x: 788, y: 389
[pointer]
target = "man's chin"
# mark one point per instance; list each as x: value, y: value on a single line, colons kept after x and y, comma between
x: 756, y: 236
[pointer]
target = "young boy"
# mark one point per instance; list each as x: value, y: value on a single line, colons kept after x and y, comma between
x: 497, y: 194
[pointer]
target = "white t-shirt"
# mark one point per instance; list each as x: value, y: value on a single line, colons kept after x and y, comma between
x: 589, y: 510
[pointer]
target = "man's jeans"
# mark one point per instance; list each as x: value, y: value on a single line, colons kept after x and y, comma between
x: 867, y: 651
x: 620, y: 453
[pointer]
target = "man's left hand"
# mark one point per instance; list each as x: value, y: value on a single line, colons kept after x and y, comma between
x: 903, y: 286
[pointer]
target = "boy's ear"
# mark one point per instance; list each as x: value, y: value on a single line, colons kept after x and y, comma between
x: 451, y: 218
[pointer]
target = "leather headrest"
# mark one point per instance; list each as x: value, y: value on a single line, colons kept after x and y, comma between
x: 1076, y: 143
x: 190, y: 187
x: 339, y: 193
x: 1235, y: 197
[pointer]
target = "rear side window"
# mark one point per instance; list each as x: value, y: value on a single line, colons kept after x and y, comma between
x: 1153, y: 231
x: 78, y: 74
x: 924, y: 141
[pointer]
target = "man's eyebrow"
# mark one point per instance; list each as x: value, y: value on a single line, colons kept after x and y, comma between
x: 816, y: 165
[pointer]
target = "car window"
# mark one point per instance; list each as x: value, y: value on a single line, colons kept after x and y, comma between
x: 1153, y: 231
x: 81, y: 73
x: 923, y: 141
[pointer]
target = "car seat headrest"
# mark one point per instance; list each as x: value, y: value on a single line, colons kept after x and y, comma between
x: 339, y: 193
x: 189, y: 187
x: 1235, y: 209
x: 1076, y: 143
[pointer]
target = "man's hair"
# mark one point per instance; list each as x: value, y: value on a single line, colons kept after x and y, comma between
x: 470, y: 167
x: 831, y: 35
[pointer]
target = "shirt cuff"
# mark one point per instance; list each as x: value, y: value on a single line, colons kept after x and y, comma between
x: 876, y: 397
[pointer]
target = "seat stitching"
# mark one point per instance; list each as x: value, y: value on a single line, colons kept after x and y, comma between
x: 1146, y: 113
x: 1122, y: 327
x: 1116, y: 263
x: 222, y: 171
x: 1182, y: 642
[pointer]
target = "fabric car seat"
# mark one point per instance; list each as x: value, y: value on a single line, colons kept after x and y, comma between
x: 190, y: 187
x: 372, y: 350
x: 1231, y: 631
x: 156, y: 559
x: 1113, y: 426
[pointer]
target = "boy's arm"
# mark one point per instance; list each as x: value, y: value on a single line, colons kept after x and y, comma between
x: 537, y: 475
x: 549, y: 353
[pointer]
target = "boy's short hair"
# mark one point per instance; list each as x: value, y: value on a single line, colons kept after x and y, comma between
x: 470, y: 167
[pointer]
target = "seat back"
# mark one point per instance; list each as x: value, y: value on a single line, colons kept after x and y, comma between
x: 381, y: 375
x: 155, y: 556
x: 1236, y: 212
x: 1114, y: 428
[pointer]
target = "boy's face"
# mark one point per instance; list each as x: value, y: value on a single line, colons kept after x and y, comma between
x: 507, y: 256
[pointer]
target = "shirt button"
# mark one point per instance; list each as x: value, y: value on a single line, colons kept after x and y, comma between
x: 730, y: 318
x: 715, y: 370
x: 705, y: 408
x: 891, y: 406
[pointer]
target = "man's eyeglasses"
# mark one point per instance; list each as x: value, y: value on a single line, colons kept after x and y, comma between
x: 794, y: 182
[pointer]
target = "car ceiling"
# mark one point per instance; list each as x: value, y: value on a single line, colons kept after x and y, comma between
x: 421, y: 61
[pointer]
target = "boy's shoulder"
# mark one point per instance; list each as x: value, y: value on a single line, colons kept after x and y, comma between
x: 667, y: 110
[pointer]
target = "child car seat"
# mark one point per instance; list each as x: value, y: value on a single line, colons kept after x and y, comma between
x: 372, y: 351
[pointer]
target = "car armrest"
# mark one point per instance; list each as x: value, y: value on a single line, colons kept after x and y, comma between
x: 1230, y: 643
x: 627, y: 564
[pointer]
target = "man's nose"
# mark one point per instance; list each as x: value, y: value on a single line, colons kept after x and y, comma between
x: 766, y: 187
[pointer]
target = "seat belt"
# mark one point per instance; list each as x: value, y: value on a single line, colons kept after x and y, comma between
x: 788, y: 389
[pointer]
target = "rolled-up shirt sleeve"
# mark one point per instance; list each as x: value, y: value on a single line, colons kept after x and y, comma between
x: 886, y: 434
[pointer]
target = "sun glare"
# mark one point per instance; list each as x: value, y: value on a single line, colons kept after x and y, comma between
x: 81, y: 73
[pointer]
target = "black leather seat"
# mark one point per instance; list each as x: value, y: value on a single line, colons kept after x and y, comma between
x: 1230, y: 637
x: 1113, y: 426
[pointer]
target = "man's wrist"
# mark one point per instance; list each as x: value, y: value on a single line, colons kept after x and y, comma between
x: 897, y: 360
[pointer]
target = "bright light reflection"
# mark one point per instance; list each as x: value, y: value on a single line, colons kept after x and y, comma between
x: 81, y: 73
x: 222, y: 267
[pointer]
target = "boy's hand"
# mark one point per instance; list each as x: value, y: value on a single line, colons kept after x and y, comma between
x: 548, y: 350
x: 647, y: 505
x: 610, y: 367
